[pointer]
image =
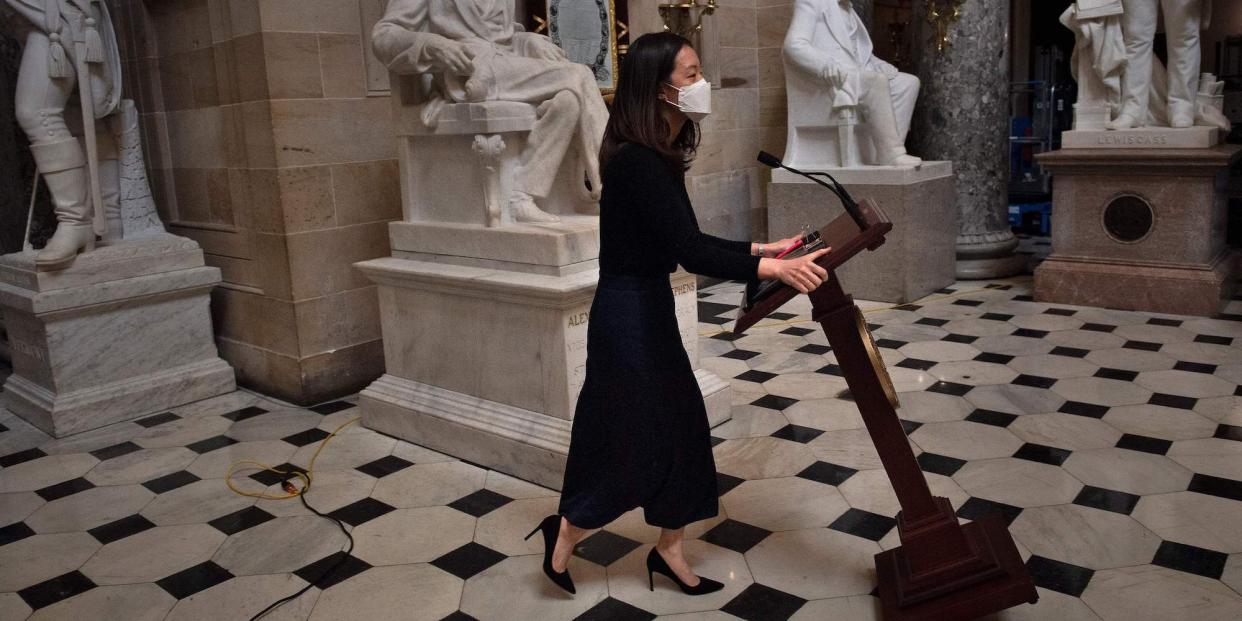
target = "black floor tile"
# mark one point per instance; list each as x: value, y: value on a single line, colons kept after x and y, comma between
x: 197, y: 578
x: 907, y: 307
x: 267, y: 477
x: 238, y: 521
x: 715, y: 441
x: 1106, y: 499
x: 1135, y: 442
x: 116, y: 450
x: 3, y: 428
x: 950, y: 388
x: 1173, y: 401
x: 170, y: 482
x: 468, y: 560
x: 480, y: 503
x: 1029, y: 333
x: 812, y: 348
x: 778, y: 316
x: 996, y: 316
x: 322, y: 574
x: 332, y: 407
x: 1079, y: 408
x: 1142, y: 345
x: 120, y: 529
x: 68, y: 488
x: 960, y: 338
x: 302, y: 438
x: 1069, y: 352
x: 940, y: 464
x: 1191, y: 559
x: 1237, y: 392
x: 1228, y: 432
x: 1116, y: 374
x: 1061, y: 577
x: 739, y: 354
x: 709, y: 311
x: 932, y: 321
x: 909, y: 426
x: 990, y: 417
x: 797, y: 433
x: 760, y: 602
x: 773, y: 402
x: 830, y: 369
x: 605, y: 548
x: 725, y: 483
x: 158, y: 419
x: 796, y: 331
x: 829, y: 474
x: 975, y: 508
x: 757, y: 377
x: 12, y: 459
x: 614, y: 610
x: 967, y: 302
x: 14, y: 532
x: 1064, y: 312
x: 727, y: 337
x: 1216, y: 486
x: 211, y: 444
x: 244, y: 413
x: 1097, y: 327
x: 1042, y: 454
x: 1034, y: 381
x: 890, y: 343
x: 1170, y: 323
x: 458, y: 615
x: 946, y: 290
x: 361, y: 512
x: 993, y: 358
x: 734, y: 535
x: 384, y: 466
x: 863, y: 524
x: 1214, y: 340
x: 1195, y: 367
x: 915, y: 363
x: 56, y: 589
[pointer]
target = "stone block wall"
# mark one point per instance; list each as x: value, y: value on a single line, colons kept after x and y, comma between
x: 265, y: 147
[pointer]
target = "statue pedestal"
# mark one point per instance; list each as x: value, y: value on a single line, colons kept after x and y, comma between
x: 919, y: 256
x: 485, y: 340
x: 122, y: 333
x: 1139, y: 229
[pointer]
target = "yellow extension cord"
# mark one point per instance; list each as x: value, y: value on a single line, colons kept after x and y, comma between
x: 306, y: 477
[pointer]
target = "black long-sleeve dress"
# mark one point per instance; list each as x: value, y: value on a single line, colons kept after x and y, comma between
x: 640, y: 432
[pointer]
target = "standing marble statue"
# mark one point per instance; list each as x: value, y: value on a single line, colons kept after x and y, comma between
x: 1182, y: 21
x: 69, y: 46
x: 475, y: 52
x: 834, y: 81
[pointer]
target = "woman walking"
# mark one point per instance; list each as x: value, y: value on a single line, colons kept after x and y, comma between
x: 640, y: 433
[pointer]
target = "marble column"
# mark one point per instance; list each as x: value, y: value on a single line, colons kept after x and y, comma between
x: 962, y: 116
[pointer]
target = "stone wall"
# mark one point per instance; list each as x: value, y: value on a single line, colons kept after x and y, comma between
x: 265, y: 147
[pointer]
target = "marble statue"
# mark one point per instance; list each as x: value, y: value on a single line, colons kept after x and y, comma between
x: 1120, y: 83
x: 472, y: 51
x: 835, y: 85
x: 69, y: 46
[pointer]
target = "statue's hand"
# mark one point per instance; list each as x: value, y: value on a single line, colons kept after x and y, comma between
x: 451, y: 57
x: 834, y: 76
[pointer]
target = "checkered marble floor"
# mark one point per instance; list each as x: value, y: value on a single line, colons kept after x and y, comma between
x: 1110, y: 441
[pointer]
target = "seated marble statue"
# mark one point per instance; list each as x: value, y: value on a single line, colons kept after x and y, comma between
x: 475, y: 52
x: 833, y: 79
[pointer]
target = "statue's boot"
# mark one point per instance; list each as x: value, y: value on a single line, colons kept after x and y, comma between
x: 1181, y: 114
x: 1125, y: 121
x: 110, y: 188
x: 63, y: 167
x: 906, y: 160
x: 523, y: 207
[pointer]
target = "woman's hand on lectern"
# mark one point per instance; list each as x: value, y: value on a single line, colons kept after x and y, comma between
x: 771, y: 249
x: 801, y: 273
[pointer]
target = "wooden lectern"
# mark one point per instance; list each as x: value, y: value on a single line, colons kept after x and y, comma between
x: 943, y: 570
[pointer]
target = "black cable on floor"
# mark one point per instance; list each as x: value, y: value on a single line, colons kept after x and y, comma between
x: 348, y: 550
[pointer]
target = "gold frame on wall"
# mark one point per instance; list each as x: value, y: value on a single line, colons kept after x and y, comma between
x: 609, y: 87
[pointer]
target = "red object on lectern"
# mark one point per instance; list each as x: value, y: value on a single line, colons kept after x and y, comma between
x: 943, y: 570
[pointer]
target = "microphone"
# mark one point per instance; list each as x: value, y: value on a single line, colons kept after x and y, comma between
x: 847, y: 201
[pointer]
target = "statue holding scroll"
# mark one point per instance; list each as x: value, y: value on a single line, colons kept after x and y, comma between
x: 69, y: 46
x: 846, y: 106
x: 471, y: 51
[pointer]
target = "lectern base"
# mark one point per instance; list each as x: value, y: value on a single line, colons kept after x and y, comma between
x: 974, y: 599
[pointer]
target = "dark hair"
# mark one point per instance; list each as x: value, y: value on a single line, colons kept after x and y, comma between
x: 636, y: 115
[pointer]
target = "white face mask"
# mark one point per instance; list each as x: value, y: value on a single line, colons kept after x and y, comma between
x: 695, y: 101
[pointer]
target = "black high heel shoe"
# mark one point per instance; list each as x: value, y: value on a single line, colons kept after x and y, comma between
x: 551, y: 527
x: 657, y: 565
